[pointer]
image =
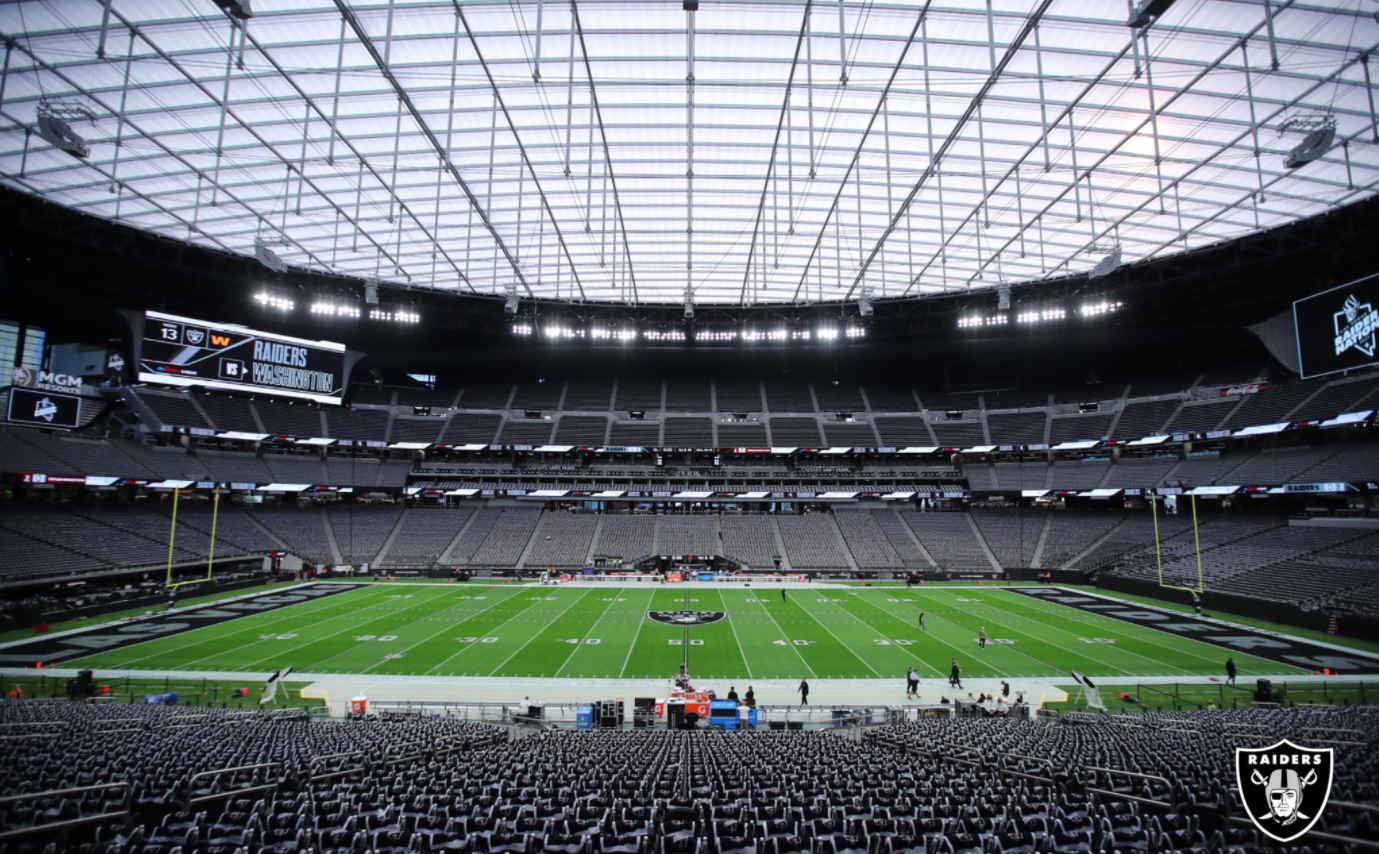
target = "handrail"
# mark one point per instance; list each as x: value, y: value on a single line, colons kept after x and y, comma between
x: 230, y: 794
x: 1171, y: 803
x: 37, y: 723
x: 1011, y: 772
x: 70, y: 822
x: 343, y: 772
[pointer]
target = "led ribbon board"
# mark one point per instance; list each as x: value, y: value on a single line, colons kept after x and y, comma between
x: 1338, y: 329
x: 185, y: 352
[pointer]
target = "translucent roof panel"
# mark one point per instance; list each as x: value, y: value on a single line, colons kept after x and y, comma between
x: 636, y: 152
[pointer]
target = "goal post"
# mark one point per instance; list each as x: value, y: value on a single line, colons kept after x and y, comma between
x: 1158, y: 547
x: 171, y: 585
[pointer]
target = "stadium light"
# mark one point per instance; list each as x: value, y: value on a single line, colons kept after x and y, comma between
x: 561, y: 332
x: 330, y: 309
x: 976, y: 321
x: 1095, y: 308
x: 280, y: 303
x: 398, y: 315
x: 1041, y: 315
x: 856, y: 332
x: 715, y: 335
x: 524, y: 329
x: 826, y: 334
x: 665, y: 335
x: 606, y: 334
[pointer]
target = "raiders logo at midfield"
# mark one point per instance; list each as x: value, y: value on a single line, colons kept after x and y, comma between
x: 686, y: 618
x: 1284, y: 787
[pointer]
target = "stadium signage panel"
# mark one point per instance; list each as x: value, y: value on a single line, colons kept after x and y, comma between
x: 1338, y: 329
x: 45, y: 381
x: 1310, y: 655
x: 1236, y: 390
x: 44, y: 408
x: 182, y: 351
x: 1317, y: 487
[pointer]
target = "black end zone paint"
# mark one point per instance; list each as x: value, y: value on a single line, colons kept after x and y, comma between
x: 83, y: 642
x: 1256, y: 642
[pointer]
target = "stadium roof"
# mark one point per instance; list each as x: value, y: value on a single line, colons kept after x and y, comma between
x: 767, y: 152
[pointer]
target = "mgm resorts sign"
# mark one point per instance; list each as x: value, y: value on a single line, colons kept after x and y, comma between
x: 45, y: 381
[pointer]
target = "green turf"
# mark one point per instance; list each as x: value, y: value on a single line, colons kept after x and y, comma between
x: 602, y: 632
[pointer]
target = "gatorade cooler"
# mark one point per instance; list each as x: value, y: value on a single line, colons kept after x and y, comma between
x: 359, y: 705
x: 584, y: 717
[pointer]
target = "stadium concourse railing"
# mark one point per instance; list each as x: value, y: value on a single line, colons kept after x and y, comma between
x: 853, y: 719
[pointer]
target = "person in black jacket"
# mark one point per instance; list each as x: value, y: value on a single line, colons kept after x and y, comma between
x: 1230, y: 670
x: 804, y: 691
x: 750, y: 698
x: 732, y: 693
x: 955, y: 675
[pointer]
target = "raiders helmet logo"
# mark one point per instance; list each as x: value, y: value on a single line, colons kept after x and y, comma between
x: 686, y: 618
x: 1284, y: 787
x: 195, y: 336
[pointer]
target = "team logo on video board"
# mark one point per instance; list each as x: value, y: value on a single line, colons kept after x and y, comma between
x: 1284, y: 787
x: 1356, y: 325
x: 686, y: 618
x: 195, y: 336
x: 45, y: 409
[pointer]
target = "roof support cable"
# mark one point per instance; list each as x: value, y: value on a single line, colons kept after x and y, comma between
x: 358, y: 202
x: 981, y: 124
x: 689, y: 148
x: 857, y: 155
x: 1269, y: 26
x: 1019, y: 211
x: 589, y: 173
x: 301, y: 163
x: 890, y: 196
x: 224, y: 110
x: 243, y: 37
x: 119, y: 119
x: 105, y: 28
x: 1153, y: 112
x: 1254, y: 124
x: 536, y: 61
x: 335, y: 106
x: 842, y: 48
x: 397, y: 128
x: 1077, y: 181
x: 1369, y: 90
x: 929, y: 137
x: 5, y: 70
x: 809, y: 81
x: 1043, y: 102
x: 1134, y: 45
x: 449, y: 141
x: 1349, y: 176
x: 569, y: 103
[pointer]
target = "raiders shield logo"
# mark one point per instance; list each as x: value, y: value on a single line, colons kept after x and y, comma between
x: 686, y: 618
x: 1284, y: 787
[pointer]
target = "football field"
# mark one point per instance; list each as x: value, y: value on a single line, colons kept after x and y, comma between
x: 631, y: 632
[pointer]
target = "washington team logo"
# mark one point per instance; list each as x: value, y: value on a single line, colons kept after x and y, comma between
x: 1284, y: 787
x: 686, y: 618
x: 1356, y: 325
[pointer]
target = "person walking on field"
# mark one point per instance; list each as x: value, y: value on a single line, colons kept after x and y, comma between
x: 1230, y: 670
x: 981, y: 638
x: 782, y: 594
x: 804, y: 692
x: 921, y: 622
x: 955, y: 675
x: 911, y: 684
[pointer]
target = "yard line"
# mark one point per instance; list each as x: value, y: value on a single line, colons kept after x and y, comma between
x: 786, y: 638
x: 576, y: 647
x: 1124, y: 631
x: 740, y: 649
x: 1041, y: 639
x: 354, y: 626
x: 469, y: 646
x: 248, y: 622
x: 941, y: 618
x: 538, y: 632
x: 446, y: 628
x: 876, y: 629
x: 636, y: 634
x: 839, y: 640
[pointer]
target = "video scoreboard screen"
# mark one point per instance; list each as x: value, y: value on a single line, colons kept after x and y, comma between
x: 44, y: 408
x: 186, y: 352
x: 1338, y: 329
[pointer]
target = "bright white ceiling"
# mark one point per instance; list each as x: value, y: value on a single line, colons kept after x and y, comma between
x: 421, y: 142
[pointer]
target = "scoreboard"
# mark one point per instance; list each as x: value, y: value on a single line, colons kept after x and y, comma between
x: 1338, y: 329
x: 186, y: 352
